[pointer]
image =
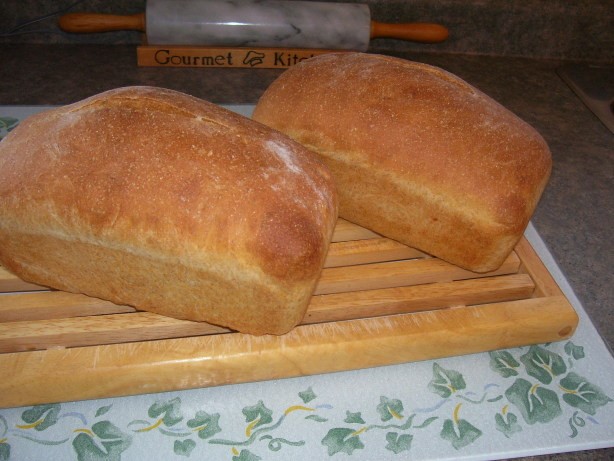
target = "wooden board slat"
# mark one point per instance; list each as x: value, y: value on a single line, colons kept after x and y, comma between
x: 367, y: 251
x: 532, y: 265
x: 111, y: 328
x: 102, y: 329
x: 9, y: 283
x: 400, y: 273
x: 201, y: 361
x: 415, y: 298
x: 345, y: 230
x: 44, y: 305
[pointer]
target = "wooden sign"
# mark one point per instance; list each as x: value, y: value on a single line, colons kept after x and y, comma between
x: 198, y: 56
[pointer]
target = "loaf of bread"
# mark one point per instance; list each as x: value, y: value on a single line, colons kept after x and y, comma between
x: 417, y: 154
x: 156, y: 199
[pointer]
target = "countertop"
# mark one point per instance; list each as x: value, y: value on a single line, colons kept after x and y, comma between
x: 574, y: 217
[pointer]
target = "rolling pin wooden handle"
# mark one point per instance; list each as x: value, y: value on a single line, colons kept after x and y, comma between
x: 84, y: 23
x: 416, y: 32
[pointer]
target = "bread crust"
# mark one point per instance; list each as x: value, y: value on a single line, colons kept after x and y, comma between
x: 152, y: 198
x: 418, y: 154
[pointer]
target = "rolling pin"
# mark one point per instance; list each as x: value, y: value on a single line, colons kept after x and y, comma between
x: 254, y: 23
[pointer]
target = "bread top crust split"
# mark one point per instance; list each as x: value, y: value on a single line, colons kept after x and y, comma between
x: 159, y: 173
x: 421, y: 127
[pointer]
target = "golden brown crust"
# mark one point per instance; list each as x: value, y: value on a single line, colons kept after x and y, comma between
x: 418, y: 154
x: 180, y: 189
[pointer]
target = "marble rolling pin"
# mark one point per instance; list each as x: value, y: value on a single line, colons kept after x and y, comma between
x: 253, y: 23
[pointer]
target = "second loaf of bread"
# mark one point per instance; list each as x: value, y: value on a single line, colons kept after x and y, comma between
x: 152, y: 198
x: 418, y: 154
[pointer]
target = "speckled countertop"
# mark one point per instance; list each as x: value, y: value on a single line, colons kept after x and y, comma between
x: 575, y: 216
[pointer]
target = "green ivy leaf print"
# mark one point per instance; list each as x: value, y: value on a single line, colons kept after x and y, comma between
x: 107, y: 430
x: 5, y: 451
x: 207, y: 425
x: 170, y: 410
x: 307, y: 396
x: 316, y: 418
x: 7, y: 124
x: 102, y: 410
x: 445, y: 382
x: 246, y: 455
x: 536, y: 404
x: 340, y: 440
x: 112, y: 439
x: 581, y: 394
x: 5, y: 448
x: 184, y: 448
x: 351, y: 418
x: 257, y: 415
x: 40, y: 417
x: 390, y: 408
x: 460, y: 433
x: 577, y: 352
x: 543, y: 364
x: 398, y: 443
x: 503, y: 363
x: 507, y: 423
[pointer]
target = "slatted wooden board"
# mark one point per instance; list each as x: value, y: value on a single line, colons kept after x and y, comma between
x: 377, y: 303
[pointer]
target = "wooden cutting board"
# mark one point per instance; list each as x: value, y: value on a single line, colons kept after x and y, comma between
x: 377, y: 303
